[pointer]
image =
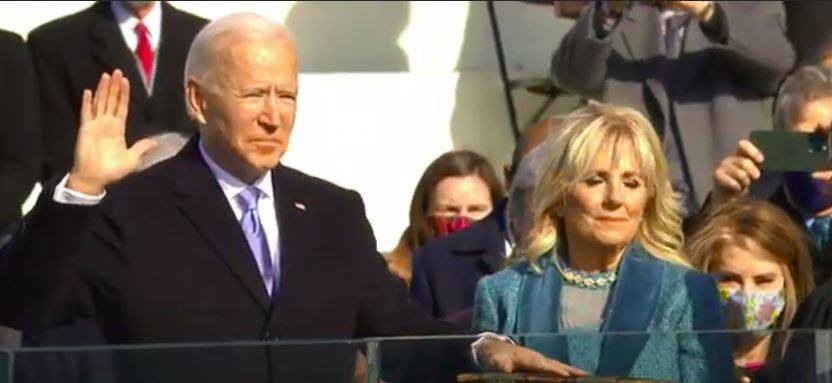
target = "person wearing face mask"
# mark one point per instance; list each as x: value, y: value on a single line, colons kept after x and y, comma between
x: 446, y: 271
x: 456, y: 189
x: 804, y: 104
x: 603, y: 255
x: 761, y: 262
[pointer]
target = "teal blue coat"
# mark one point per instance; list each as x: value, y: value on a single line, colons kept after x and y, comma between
x: 650, y: 295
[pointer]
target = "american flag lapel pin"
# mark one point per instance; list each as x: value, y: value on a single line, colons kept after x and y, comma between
x: 300, y: 206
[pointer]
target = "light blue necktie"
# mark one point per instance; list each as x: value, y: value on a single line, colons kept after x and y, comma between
x: 253, y: 230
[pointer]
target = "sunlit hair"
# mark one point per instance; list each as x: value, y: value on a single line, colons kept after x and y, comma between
x: 738, y: 222
x: 216, y: 38
x: 568, y: 159
x: 806, y: 84
x: 167, y: 145
x: 520, y: 194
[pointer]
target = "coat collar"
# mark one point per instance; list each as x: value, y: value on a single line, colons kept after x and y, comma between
x: 538, y: 308
x: 486, y: 239
x: 298, y: 233
x: 112, y: 53
x: 635, y: 297
x: 633, y: 301
x: 201, y: 200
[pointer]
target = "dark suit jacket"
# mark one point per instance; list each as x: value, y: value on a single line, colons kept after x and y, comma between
x: 809, y: 30
x: 712, y: 96
x: 72, y: 52
x: 163, y: 259
x: 446, y: 271
x: 19, y: 128
x: 800, y: 360
x: 821, y: 263
x: 770, y: 187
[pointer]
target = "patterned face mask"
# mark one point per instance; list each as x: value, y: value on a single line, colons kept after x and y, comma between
x: 751, y: 311
x: 443, y: 226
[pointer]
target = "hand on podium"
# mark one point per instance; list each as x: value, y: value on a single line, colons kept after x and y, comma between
x: 499, y: 356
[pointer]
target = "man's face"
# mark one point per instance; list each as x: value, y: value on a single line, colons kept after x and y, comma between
x: 250, y: 110
x: 816, y: 116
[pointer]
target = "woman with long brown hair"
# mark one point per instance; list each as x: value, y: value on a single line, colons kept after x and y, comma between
x: 457, y: 188
x: 763, y: 269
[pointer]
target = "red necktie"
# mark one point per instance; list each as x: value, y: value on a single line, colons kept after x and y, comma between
x: 143, y: 50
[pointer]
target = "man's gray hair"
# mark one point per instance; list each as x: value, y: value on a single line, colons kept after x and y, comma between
x: 520, y: 195
x: 528, y: 169
x: 167, y: 145
x: 804, y: 85
x: 218, y: 34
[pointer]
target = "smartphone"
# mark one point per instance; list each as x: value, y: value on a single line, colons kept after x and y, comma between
x: 792, y: 151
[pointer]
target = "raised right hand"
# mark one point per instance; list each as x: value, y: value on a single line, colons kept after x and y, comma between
x: 496, y: 355
x: 735, y: 173
x: 101, y: 153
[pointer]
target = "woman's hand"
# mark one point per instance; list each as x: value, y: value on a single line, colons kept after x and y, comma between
x: 496, y: 355
x: 735, y: 173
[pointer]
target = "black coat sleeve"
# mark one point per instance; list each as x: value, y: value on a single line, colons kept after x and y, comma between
x: 40, y: 268
x: 19, y: 127
x: 60, y: 120
x: 814, y: 313
x: 386, y: 308
x: 420, y: 287
x: 756, y: 47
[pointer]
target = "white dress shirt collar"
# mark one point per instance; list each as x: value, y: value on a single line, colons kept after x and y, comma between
x: 127, y: 23
x: 230, y: 185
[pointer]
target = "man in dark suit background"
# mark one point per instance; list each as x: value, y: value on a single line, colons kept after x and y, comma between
x: 70, y: 54
x: 19, y: 140
x: 19, y: 130
x: 446, y: 271
x: 219, y: 243
x: 809, y: 31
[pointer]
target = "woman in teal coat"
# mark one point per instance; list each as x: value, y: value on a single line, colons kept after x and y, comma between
x: 602, y: 265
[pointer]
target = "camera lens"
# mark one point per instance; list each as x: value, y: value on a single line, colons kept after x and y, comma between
x: 817, y: 142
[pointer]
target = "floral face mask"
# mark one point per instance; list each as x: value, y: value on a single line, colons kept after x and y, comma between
x: 751, y: 310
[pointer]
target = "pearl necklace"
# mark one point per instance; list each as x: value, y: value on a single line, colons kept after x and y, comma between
x: 582, y: 278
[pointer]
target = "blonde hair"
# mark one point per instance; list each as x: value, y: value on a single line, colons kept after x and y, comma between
x: 567, y: 159
x: 736, y: 223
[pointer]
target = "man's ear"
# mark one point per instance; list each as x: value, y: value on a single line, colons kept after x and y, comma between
x: 195, y: 101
